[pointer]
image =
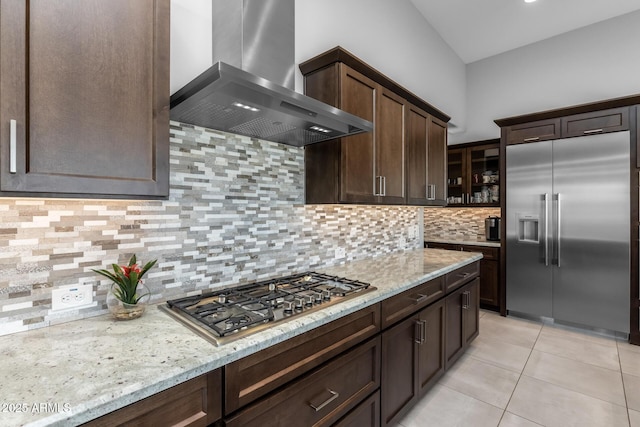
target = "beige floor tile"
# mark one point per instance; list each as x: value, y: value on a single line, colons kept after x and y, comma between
x: 634, y: 418
x: 632, y: 390
x: 624, y: 345
x: 629, y: 361
x: 499, y: 353
x: 591, y: 380
x: 578, y: 349
x: 511, y: 420
x: 552, y: 405
x: 565, y: 331
x: 445, y: 407
x: 512, y: 330
x: 481, y: 380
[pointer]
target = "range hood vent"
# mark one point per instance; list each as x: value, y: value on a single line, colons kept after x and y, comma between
x: 253, y: 47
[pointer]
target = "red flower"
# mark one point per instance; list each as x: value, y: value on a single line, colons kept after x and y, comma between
x: 128, y: 269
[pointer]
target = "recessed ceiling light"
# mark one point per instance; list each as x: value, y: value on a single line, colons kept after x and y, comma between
x: 529, y: 1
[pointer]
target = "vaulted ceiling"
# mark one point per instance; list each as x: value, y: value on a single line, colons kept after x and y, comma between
x: 477, y: 29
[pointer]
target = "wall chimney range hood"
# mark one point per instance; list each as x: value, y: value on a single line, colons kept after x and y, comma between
x: 249, y: 89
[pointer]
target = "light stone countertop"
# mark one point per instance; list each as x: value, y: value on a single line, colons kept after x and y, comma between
x: 71, y: 373
x: 464, y: 242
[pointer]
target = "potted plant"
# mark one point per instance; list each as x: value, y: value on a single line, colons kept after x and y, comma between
x: 128, y: 296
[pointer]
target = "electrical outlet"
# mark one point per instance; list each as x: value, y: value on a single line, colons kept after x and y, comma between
x: 413, y: 232
x: 341, y: 253
x: 71, y: 297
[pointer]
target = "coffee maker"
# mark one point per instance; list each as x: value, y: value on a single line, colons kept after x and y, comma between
x: 492, y: 228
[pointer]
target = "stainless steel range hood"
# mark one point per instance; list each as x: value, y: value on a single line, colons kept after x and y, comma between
x: 249, y: 89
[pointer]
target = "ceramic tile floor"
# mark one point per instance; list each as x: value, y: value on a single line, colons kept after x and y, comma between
x: 523, y: 373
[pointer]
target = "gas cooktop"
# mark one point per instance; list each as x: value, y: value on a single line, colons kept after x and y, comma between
x: 228, y: 314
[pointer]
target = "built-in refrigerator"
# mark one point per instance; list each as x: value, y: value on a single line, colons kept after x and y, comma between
x: 568, y: 230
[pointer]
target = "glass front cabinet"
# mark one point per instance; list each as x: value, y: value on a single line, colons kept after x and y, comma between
x: 473, y: 172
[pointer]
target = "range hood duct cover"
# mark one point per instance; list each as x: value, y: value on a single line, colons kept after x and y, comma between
x: 249, y: 90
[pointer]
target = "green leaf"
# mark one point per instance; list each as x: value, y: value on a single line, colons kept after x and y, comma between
x: 132, y: 260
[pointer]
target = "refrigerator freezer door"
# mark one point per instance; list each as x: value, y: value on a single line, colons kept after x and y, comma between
x: 591, y: 238
x: 528, y: 198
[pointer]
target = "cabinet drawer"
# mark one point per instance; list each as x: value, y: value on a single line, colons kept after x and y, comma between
x: 532, y: 132
x: 408, y: 302
x: 367, y: 414
x: 253, y: 376
x: 613, y: 120
x: 322, y: 397
x: 197, y: 402
x: 462, y: 275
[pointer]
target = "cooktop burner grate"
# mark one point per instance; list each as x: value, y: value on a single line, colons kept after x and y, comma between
x: 233, y: 311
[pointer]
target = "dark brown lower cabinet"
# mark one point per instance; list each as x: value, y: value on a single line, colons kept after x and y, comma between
x: 462, y: 320
x: 412, y: 360
x: 365, y: 414
x: 321, y: 397
x: 194, y: 403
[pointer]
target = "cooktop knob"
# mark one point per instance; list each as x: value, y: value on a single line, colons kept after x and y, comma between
x: 308, y: 300
x: 288, y: 307
x: 317, y: 297
x: 298, y: 303
x: 326, y: 294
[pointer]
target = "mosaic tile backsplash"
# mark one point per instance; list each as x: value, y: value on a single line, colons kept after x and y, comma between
x: 457, y: 223
x: 235, y: 214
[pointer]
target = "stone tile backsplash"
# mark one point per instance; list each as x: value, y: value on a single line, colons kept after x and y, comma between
x: 457, y: 223
x: 235, y: 214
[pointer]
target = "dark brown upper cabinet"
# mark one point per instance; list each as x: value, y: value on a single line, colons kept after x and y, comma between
x: 426, y: 141
x: 84, y: 98
x: 400, y: 162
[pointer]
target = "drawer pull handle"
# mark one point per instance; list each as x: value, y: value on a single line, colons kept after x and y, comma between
x: 463, y: 275
x: 420, y: 298
x: 588, y: 132
x: 12, y: 147
x: 533, y: 138
x: 334, y: 396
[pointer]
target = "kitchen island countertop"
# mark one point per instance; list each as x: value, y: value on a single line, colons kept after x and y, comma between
x: 71, y: 373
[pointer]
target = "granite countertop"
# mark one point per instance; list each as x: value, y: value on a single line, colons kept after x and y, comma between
x: 487, y: 243
x: 71, y: 373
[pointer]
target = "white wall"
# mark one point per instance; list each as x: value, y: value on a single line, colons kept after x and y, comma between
x: 391, y: 36
x: 590, y: 64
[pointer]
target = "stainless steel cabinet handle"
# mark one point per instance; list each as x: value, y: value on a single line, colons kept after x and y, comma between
x: 334, y: 396
x: 589, y: 132
x: 431, y: 192
x: 466, y: 300
x: 420, y: 332
x: 420, y: 298
x: 13, y: 168
x: 533, y: 138
x: 377, y: 186
x: 384, y: 185
x: 545, y: 206
x: 559, y: 226
x: 463, y: 275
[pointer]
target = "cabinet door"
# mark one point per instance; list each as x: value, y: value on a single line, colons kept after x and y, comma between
x: 454, y: 341
x: 431, y: 354
x: 358, y: 96
x: 389, y: 134
x: 489, y: 283
x: 84, y: 89
x: 470, y: 312
x: 437, y: 158
x: 613, y: 120
x: 417, y: 142
x: 426, y: 142
x: 457, y: 177
x: 399, y: 388
x: 541, y: 130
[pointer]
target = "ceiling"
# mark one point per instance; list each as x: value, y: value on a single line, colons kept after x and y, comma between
x: 478, y: 29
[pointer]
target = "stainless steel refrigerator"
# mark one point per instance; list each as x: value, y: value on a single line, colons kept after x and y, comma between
x: 568, y: 230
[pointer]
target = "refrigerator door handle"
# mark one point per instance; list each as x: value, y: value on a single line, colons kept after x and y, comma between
x: 558, y: 226
x: 545, y: 207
